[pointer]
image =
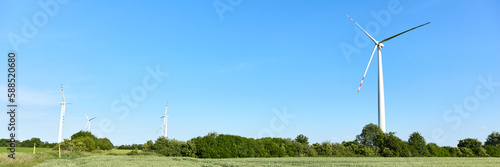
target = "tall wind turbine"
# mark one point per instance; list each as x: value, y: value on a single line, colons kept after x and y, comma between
x: 63, y: 110
x: 165, y: 122
x: 379, y: 46
x: 87, y: 126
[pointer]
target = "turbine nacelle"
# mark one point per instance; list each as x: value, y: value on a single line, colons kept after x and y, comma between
x: 379, y: 44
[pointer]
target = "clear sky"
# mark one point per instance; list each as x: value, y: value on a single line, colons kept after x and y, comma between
x: 252, y: 68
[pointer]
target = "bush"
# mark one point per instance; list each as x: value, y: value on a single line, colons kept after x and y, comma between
x: 302, y: 139
x: 480, y: 152
x: 493, y: 151
x: 467, y: 152
x: 133, y: 152
x: 469, y: 143
x: 437, y: 151
x: 88, y: 142
x: 89, y: 135
x: 417, y: 145
x: 493, y: 139
x: 105, y: 144
x: 453, y: 151
x: 168, y: 147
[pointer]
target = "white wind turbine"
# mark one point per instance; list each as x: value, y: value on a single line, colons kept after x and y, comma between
x: 63, y: 110
x: 165, y: 122
x: 161, y: 128
x: 87, y: 126
x: 381, y: 99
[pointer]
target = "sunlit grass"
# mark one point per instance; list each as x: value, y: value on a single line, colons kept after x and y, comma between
x: 24, y: 149
x: 141, y: 160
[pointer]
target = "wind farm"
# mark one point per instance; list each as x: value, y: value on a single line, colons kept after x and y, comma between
x: 250, y: 83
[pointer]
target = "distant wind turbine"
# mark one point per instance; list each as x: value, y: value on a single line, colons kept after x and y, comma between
x: 381, y: 98
x: 87, y: 126
x: 161, y: 128
x: 165, y: 122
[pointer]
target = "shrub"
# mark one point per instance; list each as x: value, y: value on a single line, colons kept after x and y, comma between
x: 168, y: 147
x: 105, y: 144
x: 302, y: 139
x: 493, y: 151
x: 89, y: 135
x: 467, y: 152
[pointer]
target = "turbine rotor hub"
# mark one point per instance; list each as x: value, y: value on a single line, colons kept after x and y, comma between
x: 380, y: 44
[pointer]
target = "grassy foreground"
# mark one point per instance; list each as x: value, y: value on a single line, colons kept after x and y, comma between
x: 24, y: 149
x: 141, y: 160
x: 119, y: 158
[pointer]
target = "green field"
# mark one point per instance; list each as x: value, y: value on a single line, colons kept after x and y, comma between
x: 119, y: 158
x: 24, y: 149
x: 123, y: 160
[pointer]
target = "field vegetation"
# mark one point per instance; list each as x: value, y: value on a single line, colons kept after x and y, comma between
x: 121, y: 160
x: 371, y: 147
x: 371, y: 142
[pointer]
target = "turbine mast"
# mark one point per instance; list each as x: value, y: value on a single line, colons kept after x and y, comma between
x: 63, y: 108
x: 381, y: 97
x: 165, y: 121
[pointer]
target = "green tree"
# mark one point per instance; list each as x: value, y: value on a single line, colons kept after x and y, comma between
x: 418, y: 145
x: 466, y: 152
x: 493, y: 139
x: 105, y: 144
x: 398, y: 146
x: 86, y: 134
x: 493, y: 151
x: 437, y: 151
x: 371, y: 135
x: 148, y: 146
x: 168, y: 147
x: 469, y: 143
x: 87, y: 141
x: 302, y: 139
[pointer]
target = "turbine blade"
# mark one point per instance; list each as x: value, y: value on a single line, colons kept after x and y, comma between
x: 367, y: 68
x: 92, y: 119
x: 86, y: 116
x: 404, y: 32
x: 362, y: 29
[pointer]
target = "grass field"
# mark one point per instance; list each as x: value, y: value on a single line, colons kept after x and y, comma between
x: 120, y: 158
x: 123, y: 160
x: 24, y: 149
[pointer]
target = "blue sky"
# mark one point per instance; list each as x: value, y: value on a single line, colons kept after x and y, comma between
x: 261, y: 68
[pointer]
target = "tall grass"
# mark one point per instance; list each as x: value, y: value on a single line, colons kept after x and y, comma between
x: 30, y: 159
x: 24, y: 149
x: 123, y: 160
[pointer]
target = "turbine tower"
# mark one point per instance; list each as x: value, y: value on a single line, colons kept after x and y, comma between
x: 381, y: 98
x: 61, y: 121
x: 165, y: 122
x: 63, y: 110
x: 87, y: 126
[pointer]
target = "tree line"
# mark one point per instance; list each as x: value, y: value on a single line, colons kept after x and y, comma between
x: 28, y: 143
x: 80, y: 141
x: 371, y: 142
